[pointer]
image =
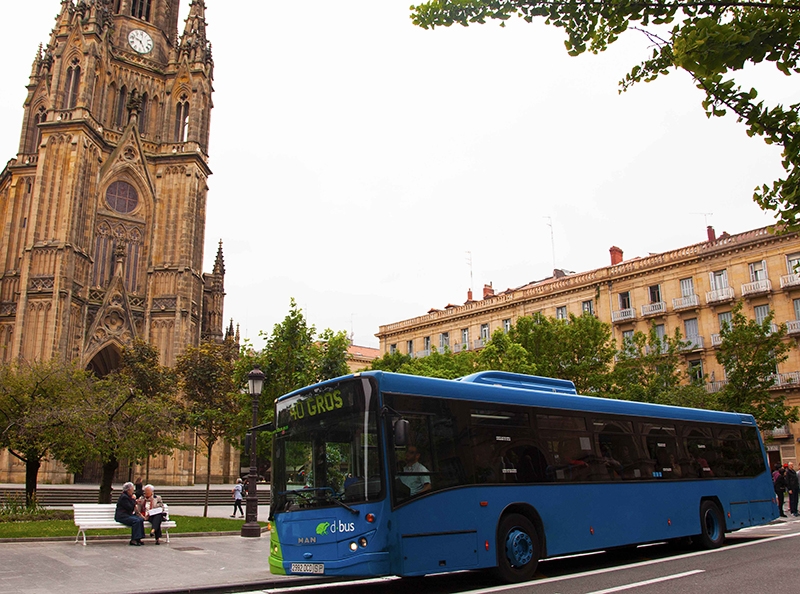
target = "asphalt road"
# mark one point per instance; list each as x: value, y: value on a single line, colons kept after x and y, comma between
x: 756, y: 560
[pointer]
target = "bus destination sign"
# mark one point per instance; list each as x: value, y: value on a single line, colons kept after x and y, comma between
x: 315, y: 405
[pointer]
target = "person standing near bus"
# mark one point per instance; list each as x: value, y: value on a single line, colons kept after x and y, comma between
x: 792, y: 486
x: 780, y: 489
x: 418, y: 482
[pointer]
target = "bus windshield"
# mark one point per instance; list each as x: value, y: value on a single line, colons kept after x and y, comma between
x: 326, y: 448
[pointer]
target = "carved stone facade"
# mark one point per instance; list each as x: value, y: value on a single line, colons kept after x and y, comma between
x: 692, y: 289
x: 103, y: 209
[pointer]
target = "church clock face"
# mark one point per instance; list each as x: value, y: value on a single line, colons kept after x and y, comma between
x: 140, y: 41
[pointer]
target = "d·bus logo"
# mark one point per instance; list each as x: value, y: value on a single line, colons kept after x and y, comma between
x: 325, y: 528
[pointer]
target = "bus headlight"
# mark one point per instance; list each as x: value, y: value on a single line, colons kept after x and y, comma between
x: 353, y: 547
x: 362, y: 541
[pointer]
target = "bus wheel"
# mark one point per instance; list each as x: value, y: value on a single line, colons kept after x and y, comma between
x: 712, y: 526
x: 518, y: 549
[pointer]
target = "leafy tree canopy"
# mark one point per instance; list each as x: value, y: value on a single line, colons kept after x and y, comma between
x: 711, y: 41
x: 750, y: 353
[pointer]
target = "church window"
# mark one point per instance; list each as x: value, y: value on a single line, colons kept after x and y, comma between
x: 122, y: 101
x: 73, y: 81
x: 143, y: 115
x: 103, y: 254
x: 122, y: 197
x: 35, y: 132
x: 182, y: 119
x: 141, y: 9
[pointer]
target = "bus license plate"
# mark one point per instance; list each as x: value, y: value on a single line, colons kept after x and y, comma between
x: 315, y: 568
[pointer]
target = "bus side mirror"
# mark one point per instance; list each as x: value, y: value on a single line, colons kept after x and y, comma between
x: 401, y: 432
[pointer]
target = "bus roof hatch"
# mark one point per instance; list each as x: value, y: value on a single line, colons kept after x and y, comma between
x: 519, y: 380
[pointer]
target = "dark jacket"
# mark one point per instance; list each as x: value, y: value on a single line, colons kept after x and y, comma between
x: 792, y: 481
x: 126, y: 506
x: 780, y: 484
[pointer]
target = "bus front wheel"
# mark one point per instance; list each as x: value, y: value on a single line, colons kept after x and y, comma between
x: 518, y: 549
x: 712, y: 526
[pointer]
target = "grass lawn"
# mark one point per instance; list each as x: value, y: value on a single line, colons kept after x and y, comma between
x: 49, y: 528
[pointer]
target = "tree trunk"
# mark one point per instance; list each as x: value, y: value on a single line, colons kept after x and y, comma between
x: 109, y: 469
x: 32, y: 464
x: 208, y: 478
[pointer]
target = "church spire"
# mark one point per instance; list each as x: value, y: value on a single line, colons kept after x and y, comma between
x: 193, y: 44
x: 219, y: 263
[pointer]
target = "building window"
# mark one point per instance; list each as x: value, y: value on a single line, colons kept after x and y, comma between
x: 140, y: 9
x: 71, y: 85
x: 696, y: 374
x: 122, y: 104
x: 625, y: 300
x: 506, y: 325
x: 561, y: 312
x: 587, y: 307
x: 627, y: 337
x: 144, y: 112
x: 761, y: 312
x: 758, y: 271
x: 122, y: 197
x: 484, y: 332
x: 687, y: 287
x: 655, y: 293
x: 465, y: 336
x: 796, y: 303
x: 660, y: 332
x: 444, y: 340
x: 392, y: 349
x: 182, y: 119
x: 793, y: 263
x: 719, y: 280
x: 725, y: 320
x: 691, y: 328
x: 426, y: 343
x: 35, y: 132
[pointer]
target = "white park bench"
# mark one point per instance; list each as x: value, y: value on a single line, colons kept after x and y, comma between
x: 96, y: 516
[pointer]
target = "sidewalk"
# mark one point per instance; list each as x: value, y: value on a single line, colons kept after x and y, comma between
x: 187, y: 563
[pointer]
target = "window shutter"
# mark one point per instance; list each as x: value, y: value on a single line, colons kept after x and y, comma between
x: 711, y: 281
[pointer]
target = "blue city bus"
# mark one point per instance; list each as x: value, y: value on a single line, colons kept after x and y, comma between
x: 386, y: 474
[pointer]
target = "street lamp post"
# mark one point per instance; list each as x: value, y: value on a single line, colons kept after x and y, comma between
x: 251, y: 527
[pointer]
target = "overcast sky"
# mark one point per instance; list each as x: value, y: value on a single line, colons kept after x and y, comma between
x: 357, y: 158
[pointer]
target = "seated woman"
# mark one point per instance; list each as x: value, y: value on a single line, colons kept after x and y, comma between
x: 126, y: 513
x: 148, y: 503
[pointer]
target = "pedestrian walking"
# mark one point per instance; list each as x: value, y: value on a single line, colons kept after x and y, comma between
x: 792, y: 487
x: 780, y: 489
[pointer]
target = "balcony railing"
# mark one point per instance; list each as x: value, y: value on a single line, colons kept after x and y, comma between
x: 790, y: 280
x: 478, y: 343
x: 757, y: 287
x: 652, y: 309
x: 793, y: 327
x: 716, y: 339
x: 423, y: 353
x: 779, y: 432
x: 713, y: 387
x: 686, y: 302
x: 719, y: 295
x: 695, y: 343
x: 621, y: 315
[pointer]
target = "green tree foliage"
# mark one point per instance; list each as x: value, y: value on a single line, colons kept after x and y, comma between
x: 712, y: 41
x: 131, y: 414
x: 649, y: 369
x: 391, y: 362
x: 750, y: 353
x: 445, y: 365
x: 503, y: 353
x: 213, y: 401
x: 294, y: 357
x: 39, y: 410
x: 580, y: 350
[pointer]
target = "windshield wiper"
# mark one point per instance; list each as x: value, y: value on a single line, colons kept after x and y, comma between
x: 328, y: 494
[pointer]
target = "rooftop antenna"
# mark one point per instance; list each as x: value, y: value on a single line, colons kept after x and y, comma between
x: 552, y: 240
x: 469, y: 263
x: 705, y: 215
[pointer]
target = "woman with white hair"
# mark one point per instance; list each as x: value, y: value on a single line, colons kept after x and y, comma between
x: 126, y: 513
x: 152, y: 509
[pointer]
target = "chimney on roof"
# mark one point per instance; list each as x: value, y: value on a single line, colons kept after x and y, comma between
x: 616, y: 255
x: 488, y: 291
x: 711, y: 235
x: 469, y: 295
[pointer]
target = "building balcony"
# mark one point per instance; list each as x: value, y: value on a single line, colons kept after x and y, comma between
x: 720, y: 295
x: 756, y: 288
x: 652, y: 309
x: 793, y: 327
x: 685, y: 302
x: 623, y: 315
x: 713, y: 387
x: 423, y: 353
x: 779, y: 432
x: 478, y: 343
x: 790, y: 280
x: 716, y: 340
x: 696, y: 343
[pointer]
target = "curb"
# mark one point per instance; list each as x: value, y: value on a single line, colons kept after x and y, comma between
x: 112, y: 537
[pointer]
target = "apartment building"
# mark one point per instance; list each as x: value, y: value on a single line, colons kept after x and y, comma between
x: 691, y: 288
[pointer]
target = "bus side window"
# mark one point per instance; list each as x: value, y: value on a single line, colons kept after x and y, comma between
x: 618, y: 452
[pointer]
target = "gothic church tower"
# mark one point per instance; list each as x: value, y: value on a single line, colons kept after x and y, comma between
x: 103, y: 209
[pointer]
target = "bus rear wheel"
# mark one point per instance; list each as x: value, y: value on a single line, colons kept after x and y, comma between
x: 518, y: 549
x: 712, y: 526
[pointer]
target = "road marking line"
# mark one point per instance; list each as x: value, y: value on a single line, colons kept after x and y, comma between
x: 378, y: 580
x: 625, y: 567
x: 648, y: 582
